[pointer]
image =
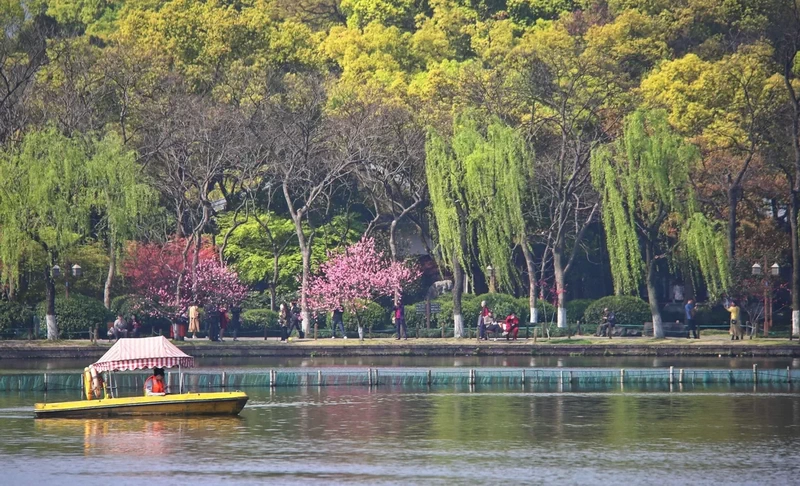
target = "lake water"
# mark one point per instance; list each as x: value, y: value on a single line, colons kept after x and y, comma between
x: 419, y: 435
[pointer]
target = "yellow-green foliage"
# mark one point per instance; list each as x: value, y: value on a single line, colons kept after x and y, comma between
x: 497, y: 172
x: 644, y: 183
x: 485, y: 176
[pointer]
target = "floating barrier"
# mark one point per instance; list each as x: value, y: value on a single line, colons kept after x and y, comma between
x: 509, y: 377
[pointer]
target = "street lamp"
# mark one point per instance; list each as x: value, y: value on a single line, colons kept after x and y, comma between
x: 490, y: 273
x: 77, y: 271
x: 774, y: 270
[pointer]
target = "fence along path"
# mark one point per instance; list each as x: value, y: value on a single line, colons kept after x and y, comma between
x: 515, y: 377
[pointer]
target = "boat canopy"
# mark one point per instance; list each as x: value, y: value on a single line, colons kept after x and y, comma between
x: 143, y: 353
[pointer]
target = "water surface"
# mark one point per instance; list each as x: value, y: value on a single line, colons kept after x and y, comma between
x: 414, y: 435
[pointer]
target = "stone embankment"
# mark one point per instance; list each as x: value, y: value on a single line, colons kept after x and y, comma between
x: 255, y: 347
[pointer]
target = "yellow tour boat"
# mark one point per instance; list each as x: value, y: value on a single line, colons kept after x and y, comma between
x: 135, y: 354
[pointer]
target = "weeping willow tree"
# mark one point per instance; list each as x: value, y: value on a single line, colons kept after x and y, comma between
x: 498, y: 172
x: 649, y: 207
x: 444, y: 170
x: 476, y: 186
x: 122, y: 197
x: 45, y: 203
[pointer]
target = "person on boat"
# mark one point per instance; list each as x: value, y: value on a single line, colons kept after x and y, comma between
x: 154, y: 385
x: 511, y: 326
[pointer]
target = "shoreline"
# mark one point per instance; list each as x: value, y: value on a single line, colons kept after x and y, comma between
x: 579, y: 346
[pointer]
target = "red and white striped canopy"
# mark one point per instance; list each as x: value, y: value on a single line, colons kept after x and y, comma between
x: 142, y: 353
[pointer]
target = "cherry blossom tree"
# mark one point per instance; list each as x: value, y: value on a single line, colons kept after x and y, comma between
x: 155, y: 270
x: 350, y: 280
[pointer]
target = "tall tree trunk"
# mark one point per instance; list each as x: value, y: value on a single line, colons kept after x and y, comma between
x: 788, y: 78
x: 195, y: 263
x: 561, y: 293
x: 50, y: 297
x: 393, y: 239
x: 733, y: 201
x: 652, y: 293
x: 526, y: 252
x: 272, y: 290
x: 112, y: 269
x: 458, y: 291
x: 305, y: 250
x: 794, y: 208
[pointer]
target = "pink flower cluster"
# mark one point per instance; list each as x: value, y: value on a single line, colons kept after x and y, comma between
x: 360, y: 274
x: 154, y: 273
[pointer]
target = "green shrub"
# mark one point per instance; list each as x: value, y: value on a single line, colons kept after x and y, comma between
x: 500, y: 304
x: 577, y: 308
x: 77, y: 314
x: 257, y: 300
x: 374, y: 315
x: 126, y: 305
x: 470, y: 307
x: 257, y: 319
x: 14, y: 315
x: 628, y: 310
x: 713, y: 316
x: 545, y: 310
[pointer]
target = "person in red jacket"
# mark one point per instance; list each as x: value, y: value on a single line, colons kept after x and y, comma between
x: 512, y: 326
x: 154, y: 385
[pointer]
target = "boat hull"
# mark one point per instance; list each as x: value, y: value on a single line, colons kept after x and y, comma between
x: 223, y: 403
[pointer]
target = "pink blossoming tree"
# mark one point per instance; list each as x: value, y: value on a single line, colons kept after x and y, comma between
x: 357, y: 276
x: 154, y: 273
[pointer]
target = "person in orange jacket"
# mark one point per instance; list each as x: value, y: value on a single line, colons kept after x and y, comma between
x: 154, y: 385
x: 512, y: 326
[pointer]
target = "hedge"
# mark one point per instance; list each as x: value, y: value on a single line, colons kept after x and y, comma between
x: 500, y: 304
x: 374, y: 315
x: 628, y: 310
x: 77, y: 314
x: 14, y: 315
x: 576, y: 309
x: 257, y: 319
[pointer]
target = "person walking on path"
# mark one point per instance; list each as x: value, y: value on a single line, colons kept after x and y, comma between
x: 212, y: 321
x: 223, y: 322
x: 399, y: 318
x: 736, y: 326
x: 294, y: 320
x: 691, y: 327
x: 337, y: 320
x: 236, y: 321
x: 194, y: 320
x: 283, y: 320
x: 484, y: 313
